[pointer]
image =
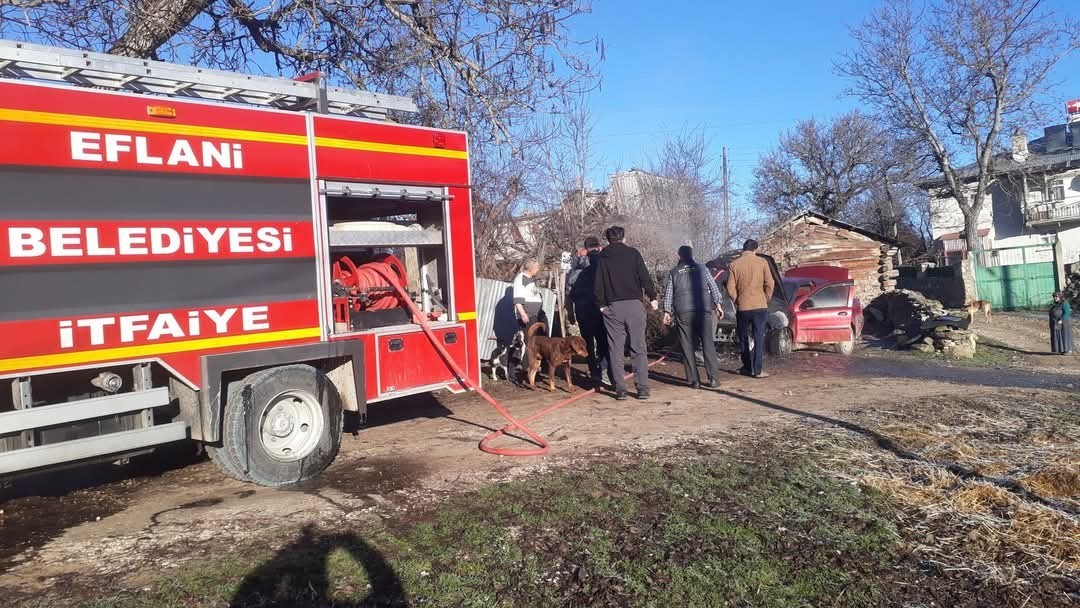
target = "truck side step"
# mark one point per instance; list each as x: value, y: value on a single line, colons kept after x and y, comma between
x: 73, y: 411
x: 89, y: 447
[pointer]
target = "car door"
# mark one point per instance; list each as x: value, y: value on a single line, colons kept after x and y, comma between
x: 824, y: 315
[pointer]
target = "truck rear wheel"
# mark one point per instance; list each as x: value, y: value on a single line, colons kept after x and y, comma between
x: 281, y: 426
x: 224, y: 461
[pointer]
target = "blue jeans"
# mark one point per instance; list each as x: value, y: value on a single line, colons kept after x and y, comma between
x: 751, y: 323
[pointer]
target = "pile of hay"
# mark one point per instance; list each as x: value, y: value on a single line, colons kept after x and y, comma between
x: 983, y: 491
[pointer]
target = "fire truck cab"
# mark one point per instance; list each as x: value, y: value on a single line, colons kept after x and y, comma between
x: 236, y: 260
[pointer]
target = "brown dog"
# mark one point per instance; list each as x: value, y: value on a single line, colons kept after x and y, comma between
x: 555, y: 351
x: 979, y: 305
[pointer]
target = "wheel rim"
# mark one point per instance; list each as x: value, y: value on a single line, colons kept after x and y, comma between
x: 785, y: 341
x: 291, y: 426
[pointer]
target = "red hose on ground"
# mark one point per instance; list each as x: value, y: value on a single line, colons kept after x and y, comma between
x: 542, y: 445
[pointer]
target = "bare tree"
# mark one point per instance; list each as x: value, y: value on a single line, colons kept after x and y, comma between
x: 822, y: 166
x: 951, y: 73
x: 575, y: 208
x: 487, y: 66
x: 676, y: 202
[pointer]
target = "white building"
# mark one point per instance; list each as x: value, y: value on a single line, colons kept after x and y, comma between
x: 1034, y: 200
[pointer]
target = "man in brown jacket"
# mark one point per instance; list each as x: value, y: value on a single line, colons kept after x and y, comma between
x: 750, y: 285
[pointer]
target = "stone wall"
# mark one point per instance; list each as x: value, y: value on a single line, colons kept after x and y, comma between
x: 946, y: 285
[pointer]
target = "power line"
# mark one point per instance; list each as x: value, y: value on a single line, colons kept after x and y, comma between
x: 706, y: 127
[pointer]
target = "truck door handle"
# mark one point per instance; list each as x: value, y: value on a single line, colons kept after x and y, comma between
x: 396, y: 344
x: 843, y: 313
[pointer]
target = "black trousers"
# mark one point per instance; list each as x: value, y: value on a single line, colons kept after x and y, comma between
x: 591, y: 324
x: 751, y: 324
x: 698, y: 328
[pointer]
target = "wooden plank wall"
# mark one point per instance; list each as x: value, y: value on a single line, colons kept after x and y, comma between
x: 810, y: 241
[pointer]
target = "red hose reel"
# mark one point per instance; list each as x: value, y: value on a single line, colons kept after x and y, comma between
x: 366, y: 285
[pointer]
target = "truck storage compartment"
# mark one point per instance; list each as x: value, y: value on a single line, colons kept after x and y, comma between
x: 378, y: 235
x: 408, y: 361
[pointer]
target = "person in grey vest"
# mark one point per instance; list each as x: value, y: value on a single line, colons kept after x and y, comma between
x: 692, y: 300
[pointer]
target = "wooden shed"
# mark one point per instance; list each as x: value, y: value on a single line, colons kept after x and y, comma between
x: 811, y: 238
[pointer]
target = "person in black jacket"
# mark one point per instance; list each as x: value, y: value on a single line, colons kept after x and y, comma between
x: 587, y: 313
x: 621, y: 279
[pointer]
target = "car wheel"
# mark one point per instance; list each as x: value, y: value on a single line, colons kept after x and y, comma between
x: 847, y: 346
x: 281, y: 425
x: 780, y: 342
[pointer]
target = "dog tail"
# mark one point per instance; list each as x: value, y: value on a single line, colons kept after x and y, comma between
x: 535, y: 327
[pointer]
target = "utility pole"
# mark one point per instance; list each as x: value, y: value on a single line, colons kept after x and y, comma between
x: 727, y: 216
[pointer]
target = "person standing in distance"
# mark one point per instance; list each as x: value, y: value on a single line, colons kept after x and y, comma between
x: 589, y: 319
x: 528, y: 303
x: 621, y: 279
x: 750, y: 285
x: 691, y: 294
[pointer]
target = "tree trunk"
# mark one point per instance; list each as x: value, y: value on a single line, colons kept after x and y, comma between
x: 153, y: 23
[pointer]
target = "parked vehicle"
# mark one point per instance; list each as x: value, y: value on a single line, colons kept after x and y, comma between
x: 778, y: 336
x: 231, y: 259
x: 824, y: 309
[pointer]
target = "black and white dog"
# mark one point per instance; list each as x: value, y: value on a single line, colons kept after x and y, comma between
x: 507, y: 356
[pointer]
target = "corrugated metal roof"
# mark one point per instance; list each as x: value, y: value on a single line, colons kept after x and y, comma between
x: 1005, y: 164
x: 495, y: 317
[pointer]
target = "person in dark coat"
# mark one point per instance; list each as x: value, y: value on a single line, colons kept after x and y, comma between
x: 621, y: 280
x: 1061, y: 325
x: 583, y: 303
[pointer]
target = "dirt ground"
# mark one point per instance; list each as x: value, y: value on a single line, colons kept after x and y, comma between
x: 1027, y: 336
x: 128, y: 523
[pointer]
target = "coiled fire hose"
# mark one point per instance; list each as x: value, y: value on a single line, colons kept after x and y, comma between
x: 520, y: 425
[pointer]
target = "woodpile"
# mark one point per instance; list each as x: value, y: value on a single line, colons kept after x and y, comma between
x: 919, y: 323
x: 812, y: 241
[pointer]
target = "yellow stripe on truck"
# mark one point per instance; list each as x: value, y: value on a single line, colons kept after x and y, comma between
x: 152, y: 350
x: 370, y: 146
x: 466, y: 316
x: 146, y: 126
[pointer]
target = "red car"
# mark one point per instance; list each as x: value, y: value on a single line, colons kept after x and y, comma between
x: 823, y: 307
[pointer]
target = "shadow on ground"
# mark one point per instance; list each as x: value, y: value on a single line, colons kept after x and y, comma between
x: 322, y: 569
x: 887, y: 444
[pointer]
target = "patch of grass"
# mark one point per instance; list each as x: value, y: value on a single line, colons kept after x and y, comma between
x: 709, y: 531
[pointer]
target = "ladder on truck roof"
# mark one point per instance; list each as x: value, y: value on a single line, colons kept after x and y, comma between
x: 32, y: 61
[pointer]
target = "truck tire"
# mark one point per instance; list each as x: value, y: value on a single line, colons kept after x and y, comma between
x: 224, y: 461
x: 282, y: 425
x: 780, y: 342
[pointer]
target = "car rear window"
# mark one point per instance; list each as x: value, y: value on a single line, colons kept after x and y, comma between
x: 833, y: 296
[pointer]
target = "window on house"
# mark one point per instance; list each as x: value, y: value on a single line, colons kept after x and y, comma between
x: 1055, y: 190
x: 1034, y: 196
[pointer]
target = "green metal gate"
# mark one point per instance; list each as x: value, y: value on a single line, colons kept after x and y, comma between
x: 1016, y: 277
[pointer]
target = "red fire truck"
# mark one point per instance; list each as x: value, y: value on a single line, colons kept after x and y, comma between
x: 194, y: 254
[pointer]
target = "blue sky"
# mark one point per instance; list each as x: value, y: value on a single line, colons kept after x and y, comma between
x: 743, y: 70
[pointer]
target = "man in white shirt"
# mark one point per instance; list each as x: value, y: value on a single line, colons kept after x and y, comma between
x: 528, y: 302
x: 527, y: 298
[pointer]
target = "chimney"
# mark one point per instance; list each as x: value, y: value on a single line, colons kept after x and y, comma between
x: 1072, y: 110
x: 1019, y: 146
